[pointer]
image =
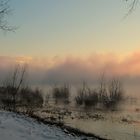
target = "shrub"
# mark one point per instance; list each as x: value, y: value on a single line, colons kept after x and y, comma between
x: 81, y: 95
x: 86, y: 97
x: 114, y: 94
x: 47, y: 97
x: 91, y: 99
x: 79, y: 98
x: 61, y: 94
x: 30, y: 98
x: 8, y: 97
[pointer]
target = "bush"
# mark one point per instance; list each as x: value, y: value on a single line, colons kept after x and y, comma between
x: 47, y: 98
x: 8, y: 97
x: 86, y: 97
x: 61, y: 94
x: 81, y: 95
x: 30, y: 98
x: 91, y: 99
x: 79, y: 98
x: 113, y: 95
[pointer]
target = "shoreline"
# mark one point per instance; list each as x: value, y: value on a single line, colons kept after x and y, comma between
x: 84, y: 123
x: 66, y: 129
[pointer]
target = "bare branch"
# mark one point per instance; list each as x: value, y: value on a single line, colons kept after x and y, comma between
x: 132, y: 7
x: 23, y: 71
x: 4, y: 12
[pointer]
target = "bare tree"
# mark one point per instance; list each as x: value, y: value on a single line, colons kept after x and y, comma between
x: 17, y: 77
x: 4, y: 12
x: 12, y: 85
x: 132, y: 6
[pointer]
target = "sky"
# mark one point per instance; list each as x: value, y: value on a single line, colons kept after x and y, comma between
x: 69, y: 27
x: 73, y: 38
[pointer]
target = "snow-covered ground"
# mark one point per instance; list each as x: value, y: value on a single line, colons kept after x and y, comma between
x: 18, y: 127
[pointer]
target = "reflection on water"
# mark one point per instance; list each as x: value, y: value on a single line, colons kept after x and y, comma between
x: 132, y: 90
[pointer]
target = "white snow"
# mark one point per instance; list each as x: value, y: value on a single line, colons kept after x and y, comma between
x: 19, y: 127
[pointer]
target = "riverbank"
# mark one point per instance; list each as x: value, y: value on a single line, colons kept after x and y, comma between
x: 58, y: 121
x: 14, y: 126
x: 116, y: 125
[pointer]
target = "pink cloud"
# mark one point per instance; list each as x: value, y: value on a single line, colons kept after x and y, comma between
x: 75, y: 69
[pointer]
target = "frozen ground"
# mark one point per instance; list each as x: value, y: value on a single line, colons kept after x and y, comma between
x: 123, y: 124
x: 18, y: 127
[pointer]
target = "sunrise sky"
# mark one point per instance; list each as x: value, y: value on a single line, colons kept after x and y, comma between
x: 73, y: 39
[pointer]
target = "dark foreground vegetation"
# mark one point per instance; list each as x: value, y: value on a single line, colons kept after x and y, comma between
x: 61, y: 94
x: 107, y: 96
x: 14, y: 93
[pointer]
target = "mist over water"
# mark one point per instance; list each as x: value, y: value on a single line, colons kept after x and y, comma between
x: 130, y: 90
x: 67, y: 73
